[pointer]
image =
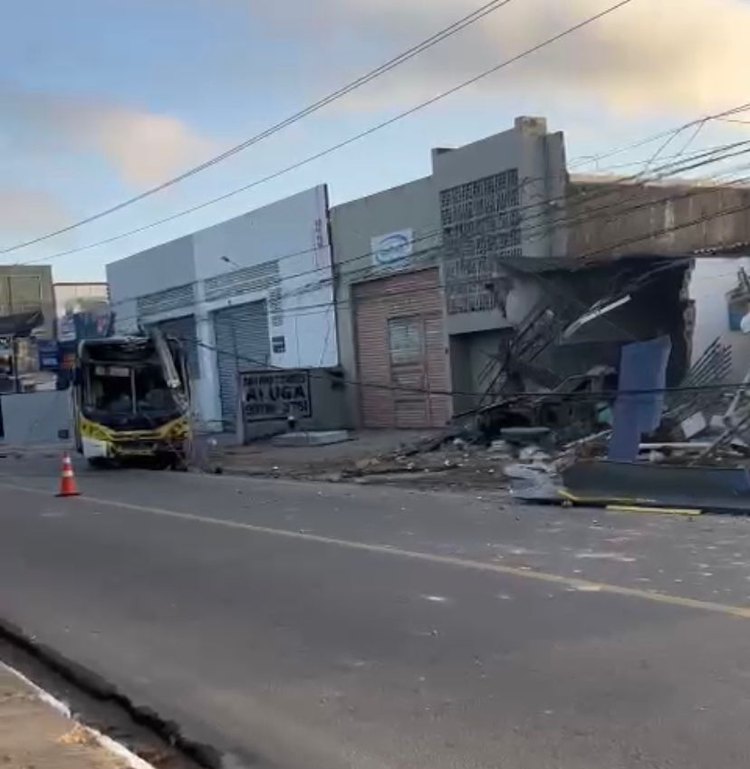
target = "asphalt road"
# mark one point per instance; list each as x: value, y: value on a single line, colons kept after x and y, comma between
x: 330, y: 626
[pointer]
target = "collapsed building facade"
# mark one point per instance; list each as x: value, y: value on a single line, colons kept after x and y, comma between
x: 501, y: 272
x: 497, y: 273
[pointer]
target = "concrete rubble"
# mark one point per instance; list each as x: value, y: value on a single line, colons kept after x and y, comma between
x: 543, y: 431
x: 692, y: 454
x: 531, y: 461
x: 439, y: 459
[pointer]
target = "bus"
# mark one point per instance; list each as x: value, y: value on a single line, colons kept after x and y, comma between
x: 131, y: 401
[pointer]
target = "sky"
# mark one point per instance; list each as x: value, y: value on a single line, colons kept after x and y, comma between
x: 102, y: 99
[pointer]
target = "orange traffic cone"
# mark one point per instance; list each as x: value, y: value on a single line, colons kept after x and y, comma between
x: 68, y: 486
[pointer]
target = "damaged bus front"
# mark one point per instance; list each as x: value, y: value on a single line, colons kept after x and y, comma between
x: 131, y: 400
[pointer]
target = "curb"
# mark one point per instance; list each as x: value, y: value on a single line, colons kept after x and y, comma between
x: 107, y: 743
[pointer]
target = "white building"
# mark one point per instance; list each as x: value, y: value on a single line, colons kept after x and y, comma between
x: 252, y: 292
x: 720, y: 305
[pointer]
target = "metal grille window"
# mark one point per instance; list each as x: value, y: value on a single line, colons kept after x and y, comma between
x: 481, y: 224
x: 165, y: 301
x: 248, y: 280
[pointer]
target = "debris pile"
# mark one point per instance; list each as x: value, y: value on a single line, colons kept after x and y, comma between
x: 638, y: 443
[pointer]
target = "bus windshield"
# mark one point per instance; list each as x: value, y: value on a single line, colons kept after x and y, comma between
x: 128, y: 390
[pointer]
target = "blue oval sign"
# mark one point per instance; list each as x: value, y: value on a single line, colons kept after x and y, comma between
x: 392, y: 248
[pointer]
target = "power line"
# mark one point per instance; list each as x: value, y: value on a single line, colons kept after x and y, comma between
x: 720, y: 116
x: 667, y: 168
x: 740, y: 122
x: 618, y: 208
x: 186, y: 212
x: 313, y: 309
x: 642, y: 279
x: 552, y: 287
x: 567, y: 396
x: 452, y: 29
x: 263, y: 365
x: 331, y: 149
x: 573, y: 263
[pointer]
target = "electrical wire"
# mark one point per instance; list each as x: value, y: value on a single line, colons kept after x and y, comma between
x: 648, y: 203
x: 701, y: 388
x: 575, y: 395
x: 705, y: 158
x: 613, y: 211
x: 402, y: 58
x: 329, y: 150
x: 551, y: 287
x: 316, y: 309
x: 568, y: 396
x: 185, y: 212
x: 719, y: 116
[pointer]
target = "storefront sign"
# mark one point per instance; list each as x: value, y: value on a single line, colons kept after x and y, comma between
x: 49, y: 355
x: 275, y: 394
x: 66, y: 328
x: 90, y: 324
x: 393, y: 248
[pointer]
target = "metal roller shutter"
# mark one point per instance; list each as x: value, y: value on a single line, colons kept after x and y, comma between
x: 242, y: 343
x: 401, y: 351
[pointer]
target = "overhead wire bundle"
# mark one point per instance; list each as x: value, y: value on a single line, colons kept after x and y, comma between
x: 536, y: 225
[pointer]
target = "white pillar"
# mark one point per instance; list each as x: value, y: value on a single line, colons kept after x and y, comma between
x: 207, y: 395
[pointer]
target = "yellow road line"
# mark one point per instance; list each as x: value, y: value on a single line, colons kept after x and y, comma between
x: 414, y: 555
x: 656, y: 510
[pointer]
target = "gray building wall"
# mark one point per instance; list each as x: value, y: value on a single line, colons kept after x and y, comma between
x: 354, y: 227
x: 168, y: 266
x: 519, y: 218
x: 609, y: 215
x: 538, y: 160
x: 472, y: 358
x: 35, y: 418
x: 328, y: 406
x: 502, y: 196
x: 25, y: 288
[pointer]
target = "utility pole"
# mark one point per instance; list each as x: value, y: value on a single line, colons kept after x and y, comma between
x: 14, y: 353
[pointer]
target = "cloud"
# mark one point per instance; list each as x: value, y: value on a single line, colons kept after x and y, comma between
x: 29, y: 212
x: 143, y: 147
x: 649, y: 56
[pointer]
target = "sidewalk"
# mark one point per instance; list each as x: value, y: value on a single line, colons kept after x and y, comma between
x: 46, y: 450
x: 35, y: 735
x: 396, y: 457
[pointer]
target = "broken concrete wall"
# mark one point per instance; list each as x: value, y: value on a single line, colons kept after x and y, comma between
x: 473, y: 365
x: 659, y: 305
x: 615, y: 218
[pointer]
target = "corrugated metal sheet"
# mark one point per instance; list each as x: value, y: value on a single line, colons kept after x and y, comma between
x: 242, y: 343
x: 401, y: 351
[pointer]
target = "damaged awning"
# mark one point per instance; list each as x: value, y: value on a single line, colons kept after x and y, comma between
x: 21, y: 324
